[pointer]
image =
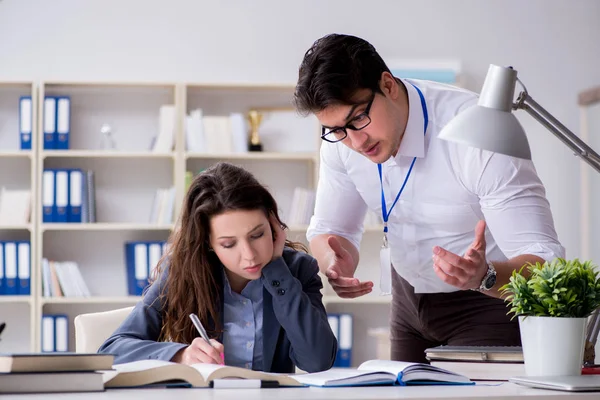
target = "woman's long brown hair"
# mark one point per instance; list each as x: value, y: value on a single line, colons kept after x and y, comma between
x: 193, y: 284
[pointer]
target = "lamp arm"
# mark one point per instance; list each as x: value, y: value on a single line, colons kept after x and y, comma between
x: 580, y: 148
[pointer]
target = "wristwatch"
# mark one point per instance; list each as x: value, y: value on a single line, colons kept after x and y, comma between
x: 489, y: 279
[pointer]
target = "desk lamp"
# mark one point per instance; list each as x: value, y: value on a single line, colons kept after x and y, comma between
x: 490, y: 125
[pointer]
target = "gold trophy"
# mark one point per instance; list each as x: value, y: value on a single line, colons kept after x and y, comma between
x: 254, y: 119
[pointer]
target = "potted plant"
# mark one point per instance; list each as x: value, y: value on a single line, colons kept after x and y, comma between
x: 552, y: 302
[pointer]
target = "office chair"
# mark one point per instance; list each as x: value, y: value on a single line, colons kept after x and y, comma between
x: 92, y: 329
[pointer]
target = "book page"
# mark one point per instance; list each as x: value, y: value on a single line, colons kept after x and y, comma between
x: 393, y: 367
x: 142, y: 365
x: 342, y: 377
x: 213, y: 371
x: 145, y: 372
x: 206, y: 370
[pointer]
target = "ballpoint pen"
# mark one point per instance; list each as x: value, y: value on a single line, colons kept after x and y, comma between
x: 200, y: 328
x: 202, y: 332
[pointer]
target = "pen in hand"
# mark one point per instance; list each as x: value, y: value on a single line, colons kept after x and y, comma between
x: 202, y: 331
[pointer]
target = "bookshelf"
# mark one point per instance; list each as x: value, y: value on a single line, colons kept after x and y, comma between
x: 127, y: 177
x: 18, y: 172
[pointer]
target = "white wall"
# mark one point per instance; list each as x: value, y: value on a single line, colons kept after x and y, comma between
x: 554, y: 44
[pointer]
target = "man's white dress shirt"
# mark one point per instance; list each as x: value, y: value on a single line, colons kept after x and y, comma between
x: 451, y: 187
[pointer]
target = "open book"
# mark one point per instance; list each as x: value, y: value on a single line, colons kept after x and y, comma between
x: 384, y: 372
x: 149, y: 372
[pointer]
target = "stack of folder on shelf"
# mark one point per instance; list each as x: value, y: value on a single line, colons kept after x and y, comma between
x: 495, y: 363
x: 56, y: 122
x: 48, y: 373
x: 15, y: 268
x: 68, y: 196
x: 141, y: 260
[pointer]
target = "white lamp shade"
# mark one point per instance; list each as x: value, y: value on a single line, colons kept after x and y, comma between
x: 488, y: 129
x: 490, y: 125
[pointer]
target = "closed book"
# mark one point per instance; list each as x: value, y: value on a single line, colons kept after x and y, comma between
x: 51, y: 382
x: 54, y: 362
x: 475, y: 353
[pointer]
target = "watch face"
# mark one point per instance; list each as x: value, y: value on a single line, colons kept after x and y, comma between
x: 490, y: 281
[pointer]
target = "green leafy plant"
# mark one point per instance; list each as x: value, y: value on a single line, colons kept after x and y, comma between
x: 559, y: 288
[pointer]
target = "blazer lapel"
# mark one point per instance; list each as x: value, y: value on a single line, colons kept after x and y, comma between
x: 271, y: 328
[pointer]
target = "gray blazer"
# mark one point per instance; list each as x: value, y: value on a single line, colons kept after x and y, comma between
x: 295, y: 327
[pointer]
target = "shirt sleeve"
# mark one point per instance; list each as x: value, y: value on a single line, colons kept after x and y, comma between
x: 339, y: 208
x: 513, y: 202
x: 137, y: 337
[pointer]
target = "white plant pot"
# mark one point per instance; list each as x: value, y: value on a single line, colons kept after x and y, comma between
x: 552, y: 346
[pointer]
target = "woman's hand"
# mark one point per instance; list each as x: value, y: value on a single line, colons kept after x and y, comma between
x: 199, y: 351
x: 278, y: 237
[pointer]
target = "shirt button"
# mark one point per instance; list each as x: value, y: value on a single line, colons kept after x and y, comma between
x: 248, y: 365
x: 281, y: 292
x: 249, y: 345
x: 248, y: 324
x: 244, y: 302
x: 275, y: 283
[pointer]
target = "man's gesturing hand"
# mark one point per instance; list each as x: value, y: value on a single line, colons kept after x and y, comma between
x: 340, y: 272
x: 465, y: 272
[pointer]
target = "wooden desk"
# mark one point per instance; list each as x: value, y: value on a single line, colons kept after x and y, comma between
x: 479, y: 392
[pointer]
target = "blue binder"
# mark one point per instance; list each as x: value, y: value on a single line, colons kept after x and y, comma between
x: 10, y: 269
x: 61, y: 333
x: 25, y: 121
x: 76, y: 195
x: 2, y: 278
x: 24, y: 268
x: 48, y: 337
x: 136, y: 264
x: 48, y: 196
x: 61, y: 195
x: 63, y: 122
x: 49, y: 125
x: 344, y: 353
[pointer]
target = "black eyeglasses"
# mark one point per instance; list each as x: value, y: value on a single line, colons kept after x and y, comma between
x: 357, y: 123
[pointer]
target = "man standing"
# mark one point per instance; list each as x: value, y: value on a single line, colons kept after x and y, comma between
x: 458, y: 220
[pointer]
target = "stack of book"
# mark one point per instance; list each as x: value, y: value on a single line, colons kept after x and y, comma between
x: 494, y: 363
x: 49, y: 373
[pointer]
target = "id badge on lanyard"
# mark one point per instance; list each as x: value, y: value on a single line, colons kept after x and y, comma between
x: 385, y: 256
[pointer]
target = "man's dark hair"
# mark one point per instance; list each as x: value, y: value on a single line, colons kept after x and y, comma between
x: 333, y: 69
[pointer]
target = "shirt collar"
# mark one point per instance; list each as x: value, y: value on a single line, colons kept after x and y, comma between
x: 413, y: 141
x: 252, y: 291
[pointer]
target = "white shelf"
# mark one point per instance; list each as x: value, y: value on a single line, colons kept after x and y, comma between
x: 126, y: 179
x: 91, y: 300
x: 15, y: 227
x: 15, y: 299
x: 99, y: 226
x: 258, y: 155
x: 369, y: 299
x: 104, y: 154
x: 15, y: 153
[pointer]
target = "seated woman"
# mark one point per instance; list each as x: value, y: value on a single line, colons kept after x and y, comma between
x: 257, y: 294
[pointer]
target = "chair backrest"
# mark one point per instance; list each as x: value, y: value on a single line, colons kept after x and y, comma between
x: 92, y: 329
